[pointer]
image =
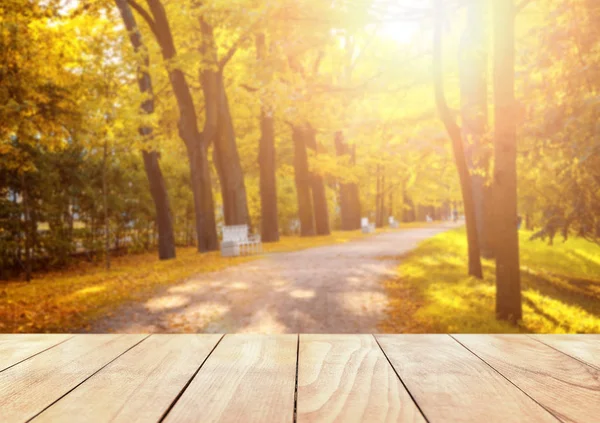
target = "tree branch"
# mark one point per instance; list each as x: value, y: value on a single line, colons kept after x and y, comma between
x: 438, y: 79
x: 457, y: 144
x: 233, y: 49
x: 249, y: 88
x: 145, y: 15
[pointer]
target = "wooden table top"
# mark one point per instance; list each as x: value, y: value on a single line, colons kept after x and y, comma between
x: 299, y: 378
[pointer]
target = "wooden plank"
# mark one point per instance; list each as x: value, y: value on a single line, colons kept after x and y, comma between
x: 346, y: 378
x: 247, y: 378
x: 16, y: 348
x: 139, y: 386
x: 583, y: 347
x: 565, y: 386
x: 449, y: 383
x: 29, y: 387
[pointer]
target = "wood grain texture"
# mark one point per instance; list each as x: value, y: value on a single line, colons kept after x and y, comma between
x: 16, y: 348
x: 29, y: 387
x: 565, y: 386
x: 583, y: 347
x: 451, y: 384
x: 139, y: 386
x: 346, y: 378
x: 247, y: 378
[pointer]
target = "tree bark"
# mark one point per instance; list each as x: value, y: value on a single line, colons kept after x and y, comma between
x: 380, y: 197
x: 267, y: 165
x: 377, y: 194
x: 206, y: 230
x: 349, y: 199
x: 303, y: 182
x: 508, y: 277
x: 28, y: 226
x: 222, y: 134
x: 156, y: 181
x: 268, y: 180
x: 354, y: 194
x: 457, y: 147
x: 236, y: 208
x: 473, y: 94
x: 408, y: 208
x: 319, y: 192
x: 105, y: 204
x: 160, y: 196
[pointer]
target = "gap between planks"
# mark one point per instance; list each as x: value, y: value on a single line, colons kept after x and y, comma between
x: 339, y: 361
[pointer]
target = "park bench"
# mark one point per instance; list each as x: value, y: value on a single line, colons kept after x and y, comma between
x: 238, y: 241
x: 367, y: 227
x: 393, y: 223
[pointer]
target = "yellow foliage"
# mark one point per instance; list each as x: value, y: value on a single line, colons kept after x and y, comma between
x: 431, y: 293
x: 68, y: 300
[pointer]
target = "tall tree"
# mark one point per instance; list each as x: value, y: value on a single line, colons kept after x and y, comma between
x: 506, y: 245
x: 225, y: 153
x: 303, y: 181
x: 269, y: 224
x: 317, y: 185
x: 349, y: 198
x: 457, y: 146
x: 473, y: 94
x: 158, y: 188
x: 193, y: 139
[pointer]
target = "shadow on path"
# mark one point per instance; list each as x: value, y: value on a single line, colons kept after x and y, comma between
x: 331, y: 289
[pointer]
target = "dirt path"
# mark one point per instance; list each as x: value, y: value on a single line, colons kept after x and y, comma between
x: 331, y: 289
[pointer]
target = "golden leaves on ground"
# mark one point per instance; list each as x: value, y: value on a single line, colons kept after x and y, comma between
x: 68, y: 300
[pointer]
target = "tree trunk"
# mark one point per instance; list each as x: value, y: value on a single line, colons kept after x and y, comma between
x: 302, y: 179
x: 421, y: 213
x: 222, y: 134
x: 320, y: 205
x: 354, y: 194
x: 473, y: 94
x: 158, y: 188
x: 266, y: 160
x: 319, y: 192
x: 528, y: 222
x: 28, y: 230
x: 268, y: 181
x: 349, y: 200
x: 206, y: 230
x: 457, y: 147
x: 232, y: 177
x: 380, y: 203
x: 105, y: 204
x: 206, y: 225
x: 377, y: 194
x: 408, y: 214
x: 508, y: 277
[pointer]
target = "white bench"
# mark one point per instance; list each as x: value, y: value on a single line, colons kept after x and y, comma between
x: 237, y: 240
x: 393, y: 223
x: 366, y: 227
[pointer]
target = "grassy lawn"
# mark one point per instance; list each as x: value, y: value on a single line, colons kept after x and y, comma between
x: 561, y: 289
x: 70, y: 299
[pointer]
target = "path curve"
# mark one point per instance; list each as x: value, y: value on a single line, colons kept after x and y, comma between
x: 330, y: 289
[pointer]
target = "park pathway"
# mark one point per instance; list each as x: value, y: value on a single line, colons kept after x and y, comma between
x: 331, y: 289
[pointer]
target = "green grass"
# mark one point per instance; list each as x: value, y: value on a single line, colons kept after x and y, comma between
x: 431, y: 292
